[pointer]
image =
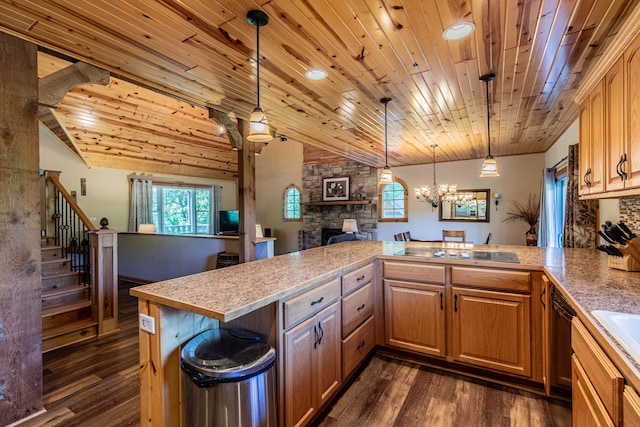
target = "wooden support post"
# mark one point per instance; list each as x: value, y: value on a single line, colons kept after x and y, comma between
x: 247, y: 196
x: 104, y: 279
x: 20, y: 280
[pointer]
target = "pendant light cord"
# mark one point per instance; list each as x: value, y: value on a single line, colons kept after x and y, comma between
x: 488, y: 119
x: 434, y: 163
x: 258, y: 59
x: 386, y: 151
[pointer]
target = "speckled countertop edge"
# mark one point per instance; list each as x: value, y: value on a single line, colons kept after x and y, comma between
x: 582, y: 275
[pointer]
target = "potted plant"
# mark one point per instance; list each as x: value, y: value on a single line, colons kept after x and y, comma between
x: 528, y: 213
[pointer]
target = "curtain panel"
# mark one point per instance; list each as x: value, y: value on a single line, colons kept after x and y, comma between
x: 140, y: 207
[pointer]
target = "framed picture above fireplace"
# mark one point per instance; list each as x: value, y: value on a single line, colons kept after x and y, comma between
x: 335, y: 189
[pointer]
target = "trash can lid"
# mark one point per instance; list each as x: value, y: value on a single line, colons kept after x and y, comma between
x: 225, y: 355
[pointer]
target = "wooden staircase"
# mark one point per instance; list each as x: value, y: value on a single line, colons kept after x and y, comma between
x: 67, y: 312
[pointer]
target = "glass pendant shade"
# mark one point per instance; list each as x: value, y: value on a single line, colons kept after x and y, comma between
x: 386, y: 177
x: 259, y: 126
x: 489, y: 167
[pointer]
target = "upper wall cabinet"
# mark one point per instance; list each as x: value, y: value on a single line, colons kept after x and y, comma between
x: 610, y: 131
x: 592, y: 134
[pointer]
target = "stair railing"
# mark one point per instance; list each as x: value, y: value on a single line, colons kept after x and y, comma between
x: 93, y: 252
x: 70, y: 228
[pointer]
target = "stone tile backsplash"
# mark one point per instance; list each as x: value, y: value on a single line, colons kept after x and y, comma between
x: 630, y: 213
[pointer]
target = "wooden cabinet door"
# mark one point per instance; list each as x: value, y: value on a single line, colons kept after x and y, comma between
x: 631, y: 407
x: 598, y: 135
x: 547, y: 333
x: 584, y: 162
x: 327, y: 357
x: 616, y: 143
x: 492, y: 329
x: 299, y: 373
x: 632, y: 74
x: 586, y: 408
x: 414, y: 317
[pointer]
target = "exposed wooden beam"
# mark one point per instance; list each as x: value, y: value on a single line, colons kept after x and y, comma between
x: 54, y: 87
x: 230, y: 127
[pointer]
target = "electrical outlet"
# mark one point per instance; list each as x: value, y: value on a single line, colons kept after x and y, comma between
x: 147, y: 323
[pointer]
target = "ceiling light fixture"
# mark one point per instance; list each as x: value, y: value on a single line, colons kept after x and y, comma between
x: 434, y: 193
x: 489, y: 166
x: 386, y: 177
x: 316, y: 74
x: 258, y: 123
x: 459, y: 30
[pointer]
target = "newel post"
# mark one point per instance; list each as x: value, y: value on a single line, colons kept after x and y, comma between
x: 104, y: 276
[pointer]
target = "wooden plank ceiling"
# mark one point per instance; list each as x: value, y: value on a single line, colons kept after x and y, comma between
x: 202, y: 54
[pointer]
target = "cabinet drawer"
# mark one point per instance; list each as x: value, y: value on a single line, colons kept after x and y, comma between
x: 492, y: 279
x: 356, y: 308
x: 303, y: 306
x: 357, y: 346
x: 606, y: 379
x: 414, y: 272
x: 357, y: 278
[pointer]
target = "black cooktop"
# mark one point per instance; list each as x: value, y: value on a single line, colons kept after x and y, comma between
x: 461, y: 254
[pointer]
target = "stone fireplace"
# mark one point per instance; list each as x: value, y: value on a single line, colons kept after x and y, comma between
x: 322, y: 221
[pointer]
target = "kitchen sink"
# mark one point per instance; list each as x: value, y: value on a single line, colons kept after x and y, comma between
x: 624, y: 327
x: 461, y: 254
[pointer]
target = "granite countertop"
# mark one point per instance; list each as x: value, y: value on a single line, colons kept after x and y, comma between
x: 226, y: 294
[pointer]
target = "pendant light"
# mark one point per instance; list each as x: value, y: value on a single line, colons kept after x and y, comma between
x: 258, y: 124
x: 489, y: 166
x: 386, y: 177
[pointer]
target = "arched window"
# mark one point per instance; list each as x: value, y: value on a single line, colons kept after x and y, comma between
x: 292, y: 203
x: 392, y: 202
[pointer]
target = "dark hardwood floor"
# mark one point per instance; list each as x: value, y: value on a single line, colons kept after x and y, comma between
x: 96, y: 384
x: 390, y: 392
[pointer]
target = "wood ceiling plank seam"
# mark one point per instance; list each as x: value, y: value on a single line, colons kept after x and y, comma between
x: 167, y: 169
x: 65, y: 16
x: 48, y: 64
x: 54, y: 125
x: 434, y: 50
x: 370, y: 43
x: 204, y: 10
x: 467, y: 76
x: 538, y: 43
x: 146, y: 151
x: 130, y: 127
x: 504, y: 94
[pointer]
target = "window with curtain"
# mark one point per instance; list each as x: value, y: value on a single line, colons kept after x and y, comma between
x: 392, y: 201
x: 183, y: 210
x: 292, y: 204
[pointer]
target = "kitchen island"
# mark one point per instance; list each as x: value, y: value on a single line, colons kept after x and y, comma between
x: 250, y: 295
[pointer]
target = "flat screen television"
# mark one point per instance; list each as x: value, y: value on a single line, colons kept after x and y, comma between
x: 229, y: 222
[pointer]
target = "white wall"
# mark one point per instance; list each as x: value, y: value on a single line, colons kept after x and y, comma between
x: 278, y: 166
x: 519, y: 176
x: 107, y: 189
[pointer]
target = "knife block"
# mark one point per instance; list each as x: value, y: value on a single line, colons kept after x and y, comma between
x: 626, y: 263
x: 631, y: 259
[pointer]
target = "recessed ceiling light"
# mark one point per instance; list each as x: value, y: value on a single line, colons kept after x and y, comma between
x: 316, y: 74
x: 459, y: 30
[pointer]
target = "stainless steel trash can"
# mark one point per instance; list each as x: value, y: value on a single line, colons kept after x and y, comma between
x: 229, y: 380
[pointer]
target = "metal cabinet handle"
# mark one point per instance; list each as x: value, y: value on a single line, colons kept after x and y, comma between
x: 315, y: 332
x: 321, y: 333
x: 360, y: 278
x: 441, y: 302
x: 623, y: 160
x: 455, y: 302
x: 361, y: 345
x: 318, y: 301
x: 360, y: 308
x: 618, y: 168
x: 544, y: 291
